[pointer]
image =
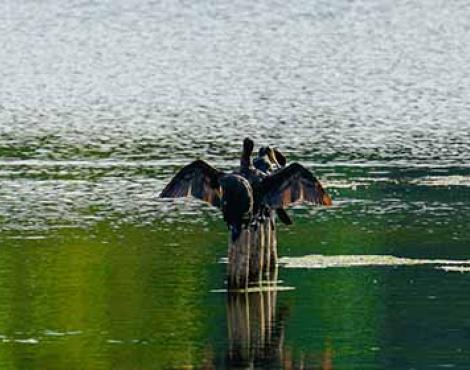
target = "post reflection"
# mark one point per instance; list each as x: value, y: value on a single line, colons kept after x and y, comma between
x: 256, y: 335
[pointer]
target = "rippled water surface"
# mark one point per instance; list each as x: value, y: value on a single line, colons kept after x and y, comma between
x: 101, y: 102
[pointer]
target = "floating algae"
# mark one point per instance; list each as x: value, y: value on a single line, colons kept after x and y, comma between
x: 452, y: 180
x: 318, y: 261
x: 455, y: 268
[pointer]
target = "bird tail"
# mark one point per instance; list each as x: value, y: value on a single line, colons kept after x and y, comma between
x: 283, y: 216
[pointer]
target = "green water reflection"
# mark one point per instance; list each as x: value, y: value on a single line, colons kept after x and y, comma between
x: 104, y: 298
x: 139, y: 297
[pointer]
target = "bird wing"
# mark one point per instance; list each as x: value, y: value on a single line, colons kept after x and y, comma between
x: 293, y: 184
x: 197, y: 179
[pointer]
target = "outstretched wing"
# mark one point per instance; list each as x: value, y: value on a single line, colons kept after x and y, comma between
x: 197, y: 179
x: 293, y: 184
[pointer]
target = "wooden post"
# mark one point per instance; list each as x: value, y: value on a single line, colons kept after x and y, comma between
x: 273, y: 245
x: 270, y: 250
x: 267, y: 250
x: 256, y: 254
x: 239, y: 260
x: 252, y: 258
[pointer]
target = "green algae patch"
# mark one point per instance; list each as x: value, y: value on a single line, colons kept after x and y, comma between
x: 459, y: 268
x: 317, y: 261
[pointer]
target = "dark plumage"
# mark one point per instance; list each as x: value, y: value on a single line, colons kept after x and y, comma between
x: 263, y: 162
x: 198, y: 179
x: 293, y: 184
x: 237, y: 202
x: 231, y: 192
x: 242, y: 194
x: 268, y: 160
x: 247, y: 169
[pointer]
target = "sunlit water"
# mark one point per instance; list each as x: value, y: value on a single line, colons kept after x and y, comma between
x: 101, y: 102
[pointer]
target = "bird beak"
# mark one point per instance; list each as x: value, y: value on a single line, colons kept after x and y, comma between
x: 272, y: 157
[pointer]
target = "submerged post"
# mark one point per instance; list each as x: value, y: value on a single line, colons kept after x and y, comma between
x: 252, y: 258
x: 256, y: 254
x: 238, y: 260
x: 273, y: 245
x: 267, y: 251
x: 270, y: 251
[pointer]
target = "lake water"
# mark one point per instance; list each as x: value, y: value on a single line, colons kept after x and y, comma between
x: 102, y: 101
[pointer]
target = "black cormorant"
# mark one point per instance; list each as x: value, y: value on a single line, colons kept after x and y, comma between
x: 239, y: 194
x: 269, y: 160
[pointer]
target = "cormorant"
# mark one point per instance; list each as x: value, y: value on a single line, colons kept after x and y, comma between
x: 252, y: 174
x: 239, y: 194
x: 269, y: 160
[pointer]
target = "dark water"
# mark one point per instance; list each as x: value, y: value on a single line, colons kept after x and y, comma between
x: 101, y: 102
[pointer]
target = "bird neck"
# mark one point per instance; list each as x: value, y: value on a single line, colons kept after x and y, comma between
x: 246, y: 161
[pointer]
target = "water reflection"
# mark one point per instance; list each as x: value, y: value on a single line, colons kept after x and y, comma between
x: 255, y: 329
x: 256, y: 334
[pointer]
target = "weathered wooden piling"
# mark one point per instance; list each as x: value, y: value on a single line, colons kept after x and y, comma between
x: 270, y: 251
x: 273, y: 244
x: 252, y: 258
x: 257, y: 246
x: 238, y: 261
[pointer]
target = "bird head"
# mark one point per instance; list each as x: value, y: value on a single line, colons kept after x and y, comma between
x: 248, y: 145
x: 273, y: 155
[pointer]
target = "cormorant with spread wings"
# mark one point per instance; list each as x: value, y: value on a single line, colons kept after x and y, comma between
x: 239, y: 193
